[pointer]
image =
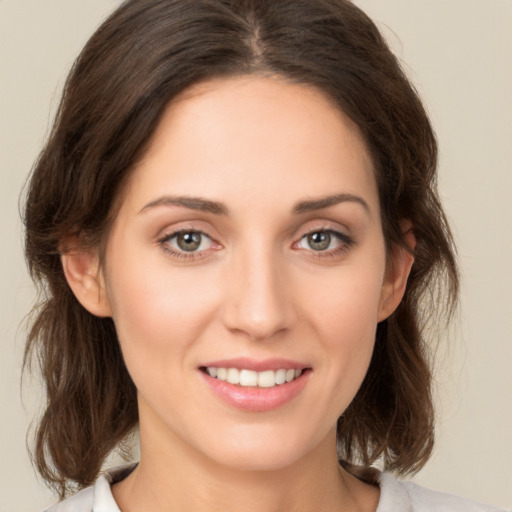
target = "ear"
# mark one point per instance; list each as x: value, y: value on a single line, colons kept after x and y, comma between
x: 85, y: 279
x: 397, y: 273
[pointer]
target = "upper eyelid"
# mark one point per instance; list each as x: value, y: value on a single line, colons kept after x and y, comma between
x: 343, y: 238
x: 298, y: 233
x: 206, y: 227
x: 173, y: 233
x: 326, y: 230
x: 326, y: 226
x: 306, y: 226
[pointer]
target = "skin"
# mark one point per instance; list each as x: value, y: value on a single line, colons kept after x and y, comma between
x: 257, y: 288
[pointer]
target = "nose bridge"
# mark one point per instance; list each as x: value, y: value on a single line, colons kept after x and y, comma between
x: 257, y: 302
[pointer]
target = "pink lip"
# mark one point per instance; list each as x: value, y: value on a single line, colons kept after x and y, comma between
x: 255, y: 399
x: 255, y: 365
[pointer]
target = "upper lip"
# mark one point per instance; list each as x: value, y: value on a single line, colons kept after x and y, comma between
x: 257, y: 365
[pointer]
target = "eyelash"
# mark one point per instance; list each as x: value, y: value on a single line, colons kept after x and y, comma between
x: 191, y: 256
x: 346, y: 243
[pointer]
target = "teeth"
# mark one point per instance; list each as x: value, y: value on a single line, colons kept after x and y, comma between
x: 246, y: 378
x: 233, y: 376
x: 280, y: 376
x: 267, y: 379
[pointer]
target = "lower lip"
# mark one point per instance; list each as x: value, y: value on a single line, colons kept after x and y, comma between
x: 257, y: 399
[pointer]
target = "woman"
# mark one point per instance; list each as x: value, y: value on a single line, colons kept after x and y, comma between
x: 236, y: 222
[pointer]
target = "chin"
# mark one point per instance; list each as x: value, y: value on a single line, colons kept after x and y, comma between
x: 260, y: 451
x: 251, y: 461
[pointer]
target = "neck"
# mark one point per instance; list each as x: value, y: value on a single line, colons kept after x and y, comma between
x: 172, y: 476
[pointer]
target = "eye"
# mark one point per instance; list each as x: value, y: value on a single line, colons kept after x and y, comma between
x: 325, y: 241
x: 186, y: 243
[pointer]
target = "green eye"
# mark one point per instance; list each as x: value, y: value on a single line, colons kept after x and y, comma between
x: 188, y: 241
x: 319, y: 241
x: 323, y: 240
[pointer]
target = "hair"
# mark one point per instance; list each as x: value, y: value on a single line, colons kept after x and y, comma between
x: 144, y: 55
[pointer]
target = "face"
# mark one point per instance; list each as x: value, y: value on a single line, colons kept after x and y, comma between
x: 246, y: 272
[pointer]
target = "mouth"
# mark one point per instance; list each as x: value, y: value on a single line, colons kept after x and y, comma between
x: 256, y: 386
x: 251, y: 378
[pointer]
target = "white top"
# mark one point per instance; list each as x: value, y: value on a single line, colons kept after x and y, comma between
x: 395, y: 496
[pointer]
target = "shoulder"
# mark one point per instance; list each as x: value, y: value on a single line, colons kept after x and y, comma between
x: 81, y: 502
x: 398, y: 496
x: 98, y: 496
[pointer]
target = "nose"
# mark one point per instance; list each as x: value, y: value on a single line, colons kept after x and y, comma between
x: 258, y: 302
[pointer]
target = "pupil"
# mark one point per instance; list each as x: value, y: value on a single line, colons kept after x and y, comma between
x: 319, y: 241
x: 189, y: 241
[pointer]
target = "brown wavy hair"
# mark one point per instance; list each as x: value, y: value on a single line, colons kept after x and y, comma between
x: 140, y: 58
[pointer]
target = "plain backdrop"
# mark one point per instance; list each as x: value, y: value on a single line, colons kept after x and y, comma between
x: 458, y: 54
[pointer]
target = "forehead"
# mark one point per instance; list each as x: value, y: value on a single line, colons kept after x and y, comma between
x: 252, y: 137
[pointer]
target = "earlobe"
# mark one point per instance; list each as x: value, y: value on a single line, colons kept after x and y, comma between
x: 82, y: 272
x: 397, y: 273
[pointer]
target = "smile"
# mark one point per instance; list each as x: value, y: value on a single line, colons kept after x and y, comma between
x: 251, y: 378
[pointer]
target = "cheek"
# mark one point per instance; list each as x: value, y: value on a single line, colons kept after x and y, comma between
x: 158, y: 312
x: 346, y: 305
x: 344, y: 317
x: 349, y: 342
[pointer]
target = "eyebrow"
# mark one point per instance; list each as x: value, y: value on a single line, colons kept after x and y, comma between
x: 192, y: 203
x: 217, y: 208
x: 325, y: 202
